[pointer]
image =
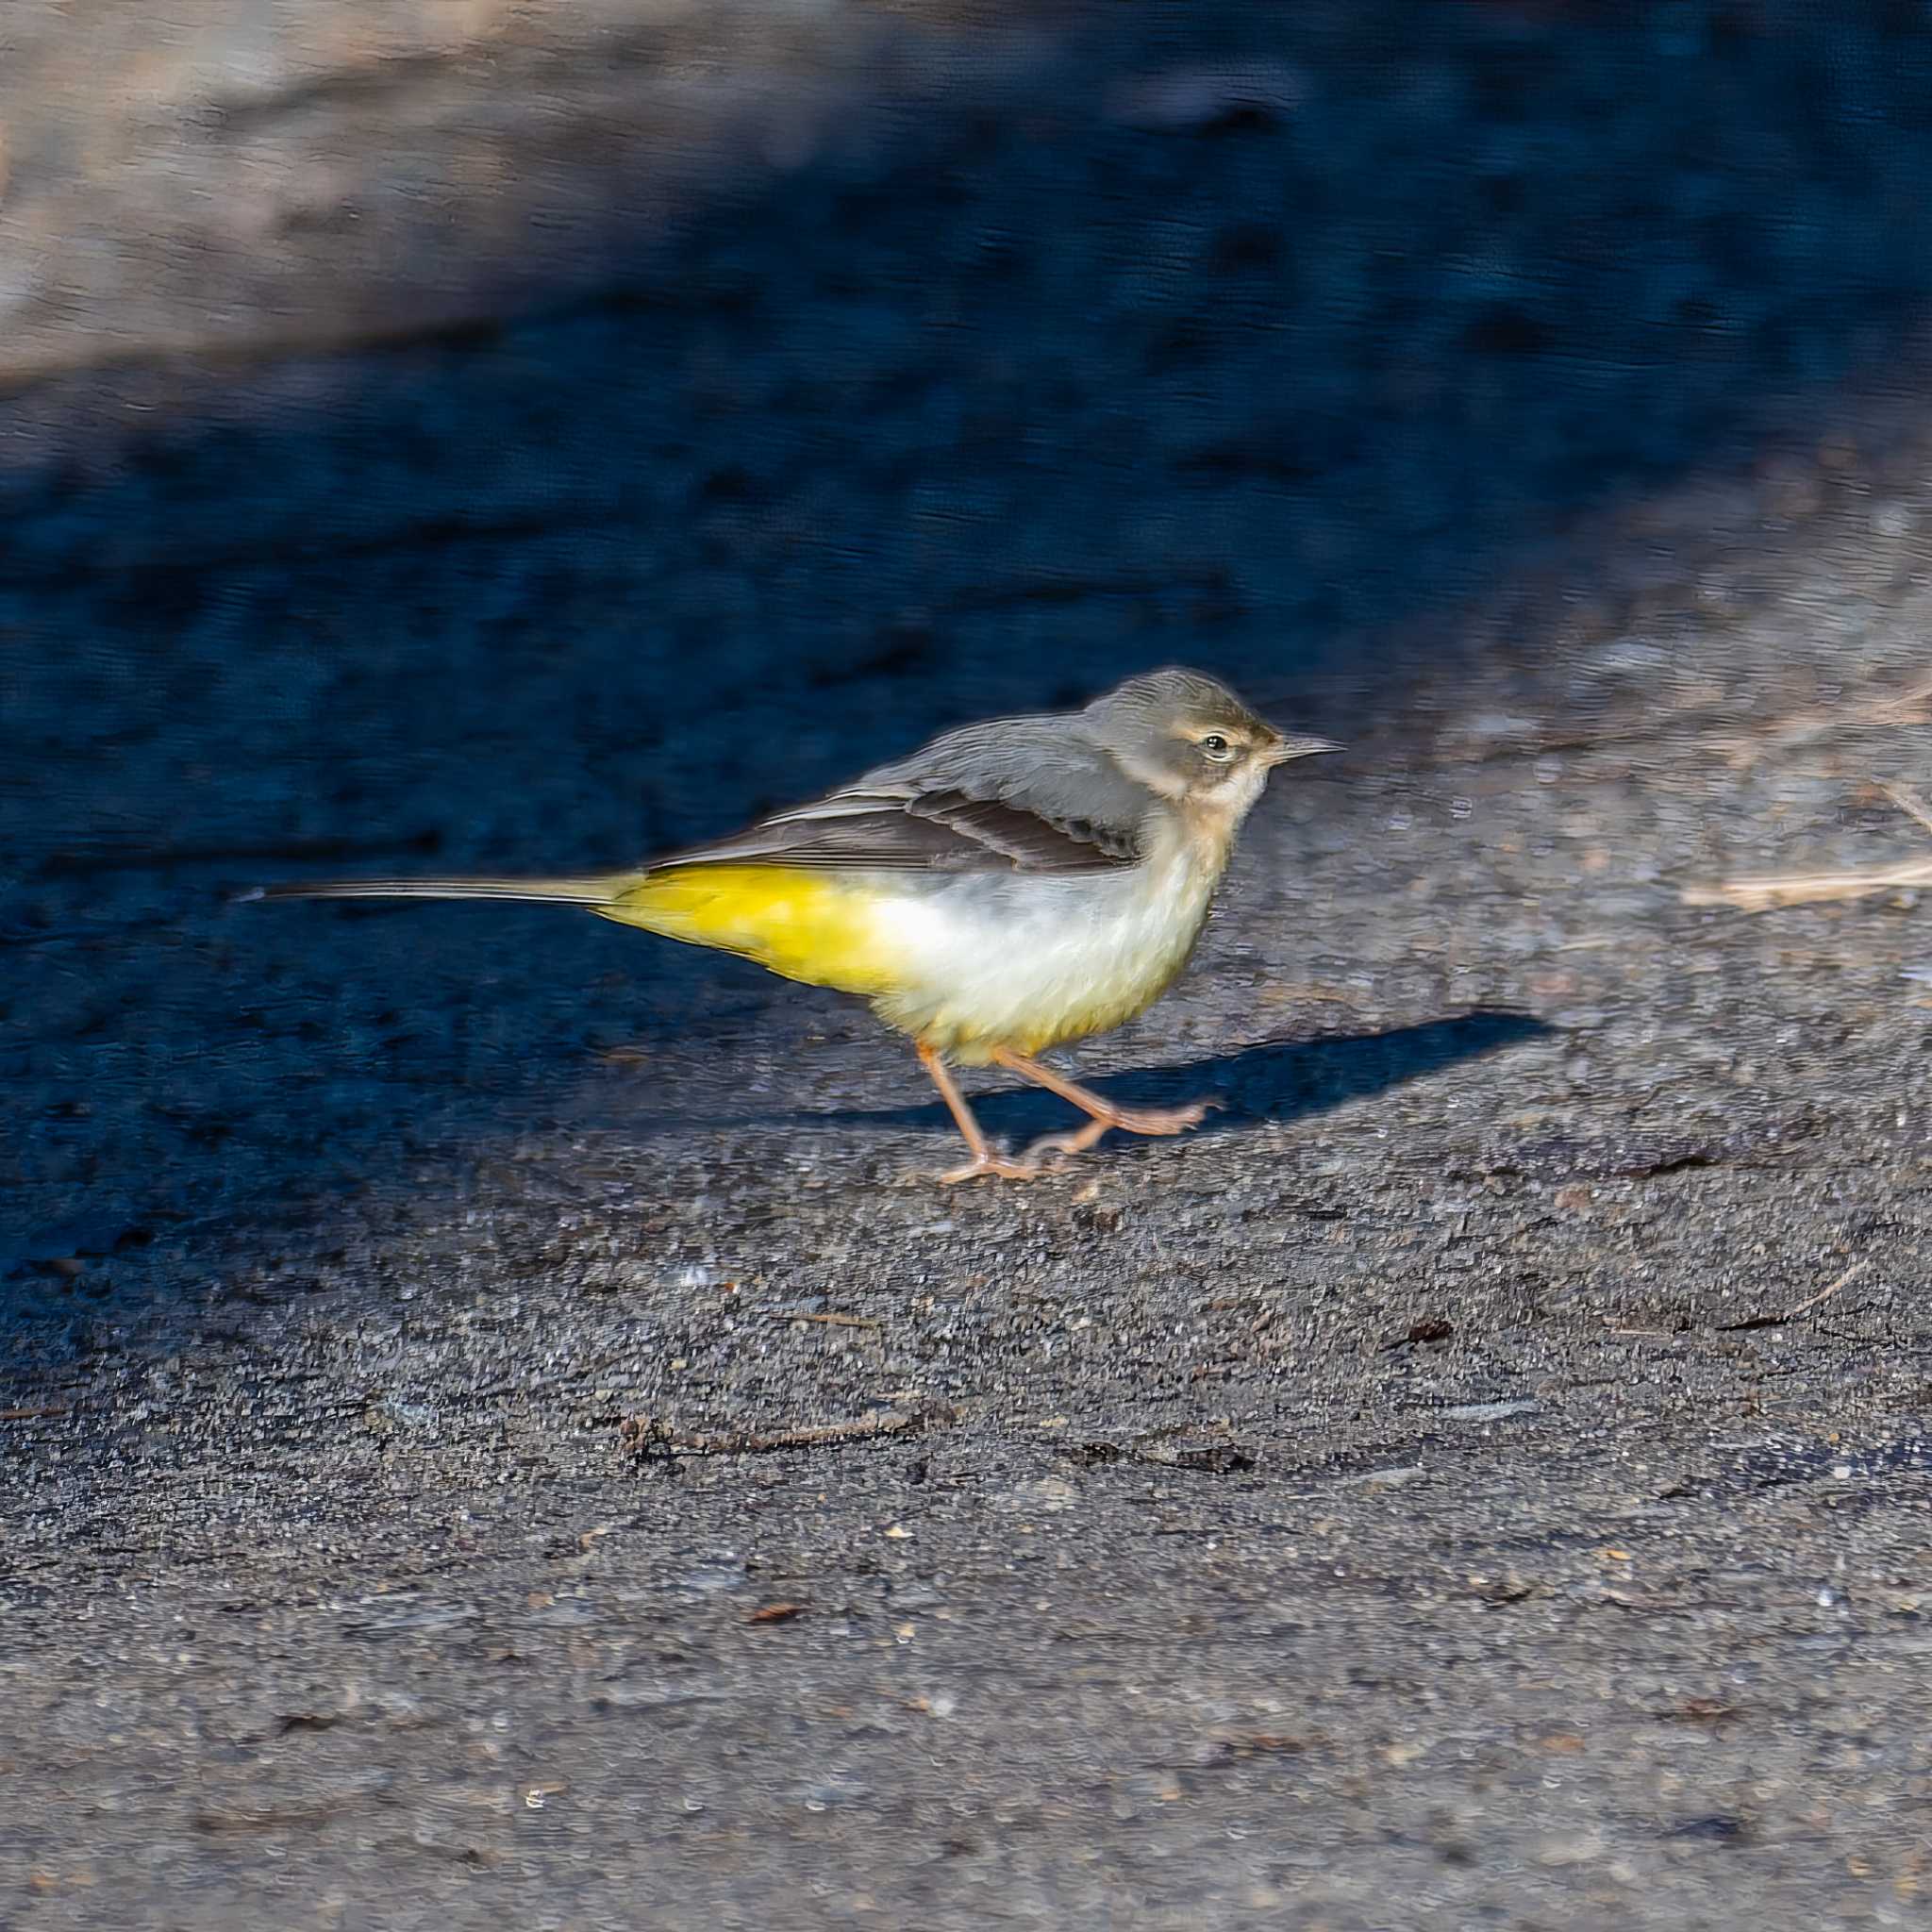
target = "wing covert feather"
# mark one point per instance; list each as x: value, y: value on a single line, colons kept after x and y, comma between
x: 1015, y: 794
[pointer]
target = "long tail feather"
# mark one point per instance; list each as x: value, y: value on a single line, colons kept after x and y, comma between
x: 585, y: 891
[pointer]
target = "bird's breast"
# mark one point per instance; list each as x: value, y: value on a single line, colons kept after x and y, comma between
x: 1027, y: 961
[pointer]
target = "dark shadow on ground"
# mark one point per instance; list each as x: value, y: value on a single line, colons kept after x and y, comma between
x: 984, y: 420
x: 1268, y: 1083
x: 1064, y: 384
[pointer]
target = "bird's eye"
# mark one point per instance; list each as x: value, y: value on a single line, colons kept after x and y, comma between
x: 1217, y: 747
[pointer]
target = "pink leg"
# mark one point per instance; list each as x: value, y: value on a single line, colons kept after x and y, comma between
x: 984, y: 1162
x: 1105, y: 1115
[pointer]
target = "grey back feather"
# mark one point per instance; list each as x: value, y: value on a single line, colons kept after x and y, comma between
x: 1012, y: 794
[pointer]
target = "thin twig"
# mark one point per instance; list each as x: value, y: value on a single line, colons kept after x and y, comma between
x: 1851, y: 1274
x: 1814, y: 888
x: 1810, y: 887
x: 830, y: 1320
x: 1908, y: 802
x: 1745, y: 748
x: 641, y: 1435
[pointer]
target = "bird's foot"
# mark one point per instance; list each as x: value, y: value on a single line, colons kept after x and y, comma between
x: 994, y: 1167
x: 1129, y: 1119
x: 1159, y: 1120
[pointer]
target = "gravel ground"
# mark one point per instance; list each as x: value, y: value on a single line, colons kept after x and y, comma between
x: 500, y: 1424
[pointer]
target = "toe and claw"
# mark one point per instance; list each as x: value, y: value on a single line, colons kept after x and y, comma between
x: 1104, y: 1117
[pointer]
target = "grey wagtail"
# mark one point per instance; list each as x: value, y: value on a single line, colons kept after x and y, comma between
x: 1015, y: 885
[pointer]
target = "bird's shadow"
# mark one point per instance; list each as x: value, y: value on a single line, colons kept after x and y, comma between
x: 1272, y: 1081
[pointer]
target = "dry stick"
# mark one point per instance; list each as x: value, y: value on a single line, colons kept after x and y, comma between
x: 1813, y: 888
x: 1908, y: 802
x: 1810, y: 887
x: 642, y: 1433
x: 1805, y: 727
x: 1851, y: 1273
x: 831, y: 1321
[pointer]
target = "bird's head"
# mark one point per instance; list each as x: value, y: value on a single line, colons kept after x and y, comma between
x: 1194, y: 742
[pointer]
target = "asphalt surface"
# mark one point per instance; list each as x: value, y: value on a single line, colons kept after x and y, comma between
x: 500, y: 1424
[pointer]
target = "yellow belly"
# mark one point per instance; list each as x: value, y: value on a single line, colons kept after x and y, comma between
x: 966, y: 965
x: 806, y: 926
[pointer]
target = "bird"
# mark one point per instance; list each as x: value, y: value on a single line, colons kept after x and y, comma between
x: 1013, y: 886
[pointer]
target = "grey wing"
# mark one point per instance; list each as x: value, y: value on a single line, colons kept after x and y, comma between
x: 1019, y: 794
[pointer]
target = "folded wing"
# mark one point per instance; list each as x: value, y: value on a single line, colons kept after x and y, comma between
x: 1019, y: 794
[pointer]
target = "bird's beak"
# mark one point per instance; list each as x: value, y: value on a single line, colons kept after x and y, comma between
x: 1299, y: 747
